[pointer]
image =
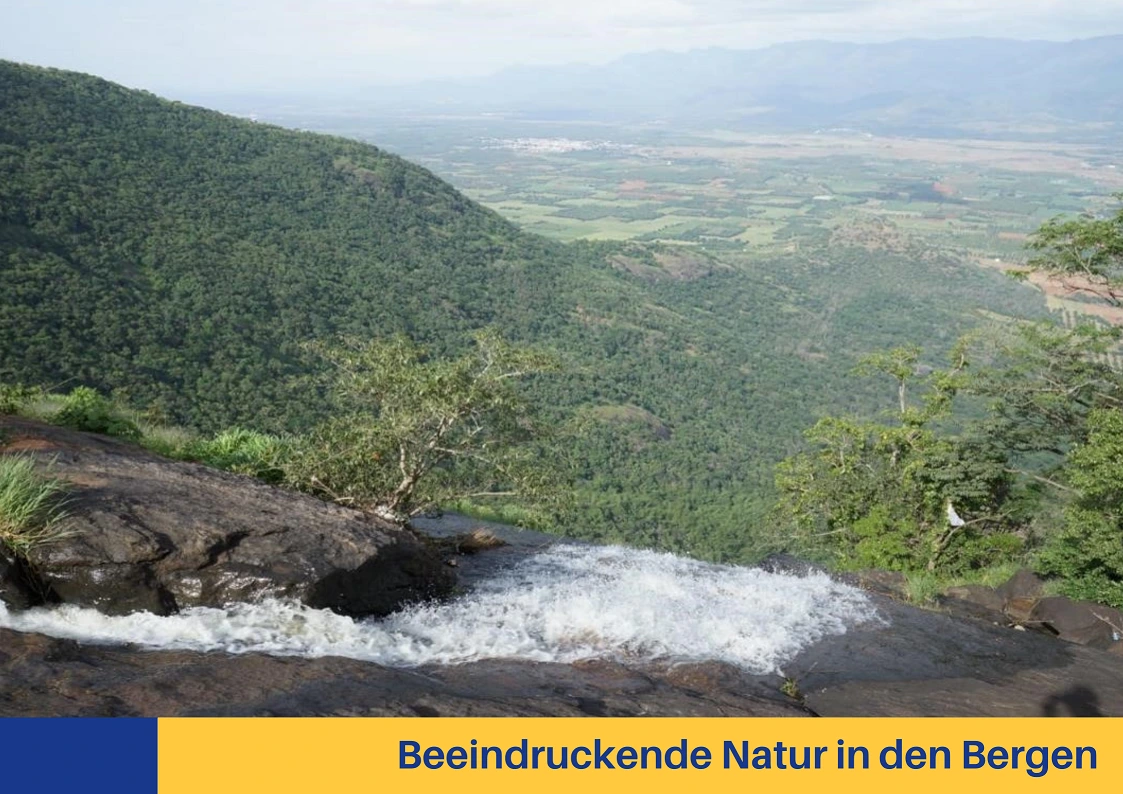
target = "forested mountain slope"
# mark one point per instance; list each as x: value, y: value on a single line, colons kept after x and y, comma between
x: 182, y: 254
x: 183, y: 258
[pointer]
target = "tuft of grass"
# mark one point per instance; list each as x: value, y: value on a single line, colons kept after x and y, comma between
x: 44, y: 408
x: 14, y: 398
x: 31, y: 505
x: 513, y: 514
x: 167, y: 440
x: 924, y: 586
x: 85, y: 409
x: 790, y: 687
x: 242, y: 451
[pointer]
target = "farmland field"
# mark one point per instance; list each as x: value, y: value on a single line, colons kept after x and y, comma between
x: 754, y: 194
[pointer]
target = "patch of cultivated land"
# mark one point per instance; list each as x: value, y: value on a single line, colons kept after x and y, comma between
x: 734, y: 192
x: 1091, y: 161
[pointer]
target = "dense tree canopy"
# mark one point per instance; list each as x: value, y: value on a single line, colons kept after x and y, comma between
x: 1020, y: 438
x: 182, y: 260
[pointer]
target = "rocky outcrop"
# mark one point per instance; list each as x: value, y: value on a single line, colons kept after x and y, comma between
x: 911, y: 662
x: 1083, y: 622
x: 888, y: 583
x: 1020, y: 602
x: 906, y: 662
x: 148, y: 533
x: 43, y: 676
x: 920, y: 662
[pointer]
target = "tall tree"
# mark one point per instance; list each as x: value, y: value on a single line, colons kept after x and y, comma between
x: 414, y: 431
x: 1084, y: 254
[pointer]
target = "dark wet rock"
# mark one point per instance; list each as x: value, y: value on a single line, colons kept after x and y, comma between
x: 160, y: 535
x: 1023, y: 584
x: 888, y: 583
x: 1019, y: 610
x: 973, y: 601
x: 923, y: 663
x: 1082, y: 622
x: 41, y: 676
x: 787, y: 564
x: 16, y: 582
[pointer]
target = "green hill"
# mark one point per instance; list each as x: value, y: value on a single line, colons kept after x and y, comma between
x: 181, y: 258
x: 182, y: 254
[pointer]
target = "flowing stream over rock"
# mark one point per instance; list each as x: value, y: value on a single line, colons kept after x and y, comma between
x: 561, y: 603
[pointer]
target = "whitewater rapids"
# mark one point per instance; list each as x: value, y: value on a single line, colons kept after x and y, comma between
x: 563, y: 604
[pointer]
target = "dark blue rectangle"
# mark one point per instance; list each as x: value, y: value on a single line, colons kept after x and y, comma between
x: 79, y: 755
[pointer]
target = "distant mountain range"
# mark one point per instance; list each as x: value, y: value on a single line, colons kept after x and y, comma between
x: 950, y: 87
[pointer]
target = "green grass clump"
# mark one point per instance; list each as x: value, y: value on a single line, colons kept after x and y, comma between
x: 85, y: 409
x: 242, y: 451
x: 924, y: 586
x: 170, y: 441
x: 15, y: 397
x: 43, y: 408
x: 30, y: 505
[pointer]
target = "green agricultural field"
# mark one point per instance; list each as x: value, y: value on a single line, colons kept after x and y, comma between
x: 729, y: 194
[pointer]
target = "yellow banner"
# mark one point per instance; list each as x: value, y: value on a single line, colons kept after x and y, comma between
x: 707, y: 754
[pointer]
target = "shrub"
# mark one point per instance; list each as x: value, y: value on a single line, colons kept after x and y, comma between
x: 1087, y: 556
x: 14, y: 398
x: 167, y: 440
x: 242, y: 451
x: 414, y: 431
x: 1087, y: 553
x: 30, y: 505
x: 85, y: 409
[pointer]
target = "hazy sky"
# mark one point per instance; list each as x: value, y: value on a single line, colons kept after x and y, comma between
x: 214, y: 46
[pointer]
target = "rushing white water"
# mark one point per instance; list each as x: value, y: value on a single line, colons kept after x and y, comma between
x: 563, y: 604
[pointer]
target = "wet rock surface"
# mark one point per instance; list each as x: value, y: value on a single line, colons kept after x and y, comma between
x: 924, y: 663
x: 158, y: 535
x: 152, y: 526
x: 46, y: 676
x: 911, y: 662
x: 908, y: 662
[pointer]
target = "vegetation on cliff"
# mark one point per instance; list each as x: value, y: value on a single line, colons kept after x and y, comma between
x: 31, y: 506
x: 1012, y: 452
x: 180, y: 261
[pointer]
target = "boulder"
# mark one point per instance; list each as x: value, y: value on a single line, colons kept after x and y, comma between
x: 888, y: 583
x: 977, y: 594
x: 788, y: 564
x: 1023, y: 584
x: 1082, y: 622
x: 974, y: 601
x: 1019, y: 610
x: 15, y: 581
x: 148, y: 533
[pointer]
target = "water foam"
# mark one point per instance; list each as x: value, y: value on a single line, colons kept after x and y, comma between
x: 562, y: 605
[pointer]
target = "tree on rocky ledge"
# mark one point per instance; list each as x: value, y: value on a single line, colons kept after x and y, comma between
x: 1084, y: 254
x: 412, y: 431
x: 876, y: 494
